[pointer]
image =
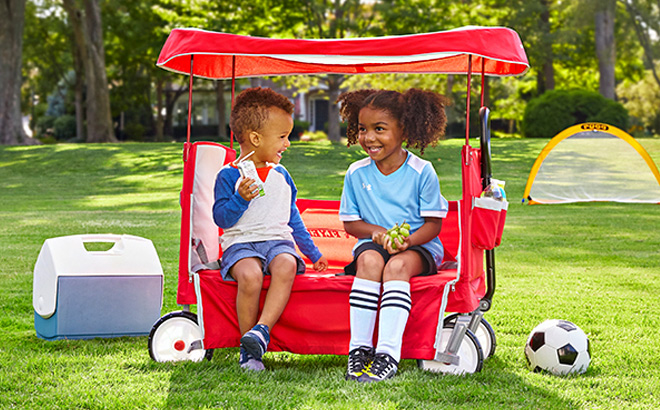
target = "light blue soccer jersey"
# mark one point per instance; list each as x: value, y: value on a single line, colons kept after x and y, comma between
x: 410, y: 193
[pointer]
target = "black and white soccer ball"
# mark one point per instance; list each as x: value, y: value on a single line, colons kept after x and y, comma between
x: 559, y: 347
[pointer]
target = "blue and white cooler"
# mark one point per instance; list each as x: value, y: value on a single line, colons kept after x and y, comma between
x: 82, y: 294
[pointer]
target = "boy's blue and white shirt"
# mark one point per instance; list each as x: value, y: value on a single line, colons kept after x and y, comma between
x: 270, y: 217
x: 410, y: 193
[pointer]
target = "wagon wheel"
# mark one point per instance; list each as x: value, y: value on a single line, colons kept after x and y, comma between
x: 469, y: 352
x: 485, y: 334
x: 171, y: 337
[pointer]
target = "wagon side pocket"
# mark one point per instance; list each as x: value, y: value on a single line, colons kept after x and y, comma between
x: 488, y: 216
x: 500, y: 223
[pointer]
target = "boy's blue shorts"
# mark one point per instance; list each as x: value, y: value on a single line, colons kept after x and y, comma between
x: 265, y: 251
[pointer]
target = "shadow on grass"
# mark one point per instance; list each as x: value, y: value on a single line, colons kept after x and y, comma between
x: 301, y: 381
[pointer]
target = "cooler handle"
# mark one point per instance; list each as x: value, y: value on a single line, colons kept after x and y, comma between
x: 118, y: 241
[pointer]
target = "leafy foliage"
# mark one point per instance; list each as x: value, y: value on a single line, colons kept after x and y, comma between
x: 64, y: 127
x: 642, y: 99
x: 555, y: 33
x: 556, y: 110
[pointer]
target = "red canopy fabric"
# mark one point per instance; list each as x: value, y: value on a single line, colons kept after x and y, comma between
x: 499, y: 49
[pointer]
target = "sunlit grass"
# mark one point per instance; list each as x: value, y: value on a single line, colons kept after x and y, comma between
x: 597, y: 265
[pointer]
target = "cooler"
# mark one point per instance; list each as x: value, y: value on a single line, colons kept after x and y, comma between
x: 81, y: 294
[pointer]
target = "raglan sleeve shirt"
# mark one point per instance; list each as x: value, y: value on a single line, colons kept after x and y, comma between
x: 299, y: 231
x: 248, y: 221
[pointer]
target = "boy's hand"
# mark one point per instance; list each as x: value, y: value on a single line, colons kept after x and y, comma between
x: 321, y: 265
x: 247, y: 190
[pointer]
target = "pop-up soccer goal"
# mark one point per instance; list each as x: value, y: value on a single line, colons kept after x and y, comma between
x: 593, y: 162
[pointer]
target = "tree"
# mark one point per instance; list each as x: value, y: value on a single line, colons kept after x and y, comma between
x: 642, y: 99
x: 645, y: 18
x: 605, y: 46
x: 87, y: 29
x: 11, y: 48
x: 337, y: 19
x: 537, y: 23
x: 131, y: 50
x: 47, y: 60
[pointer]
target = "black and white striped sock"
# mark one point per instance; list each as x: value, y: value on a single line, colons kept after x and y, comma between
x: 363, y: 311
x: 394, y: 311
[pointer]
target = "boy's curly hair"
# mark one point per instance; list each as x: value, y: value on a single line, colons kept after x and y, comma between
x: 420, y: 113
x: 250, y: 110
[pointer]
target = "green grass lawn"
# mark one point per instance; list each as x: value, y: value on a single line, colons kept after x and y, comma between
x: 597, y: 265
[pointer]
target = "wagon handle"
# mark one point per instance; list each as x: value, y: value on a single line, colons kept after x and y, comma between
x: 486, y: 171
x: 486, y: 174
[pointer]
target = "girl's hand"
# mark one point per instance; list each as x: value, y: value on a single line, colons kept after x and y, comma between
x: 247, y: 190
x: 393, y: 246
x: 321, y: 265
x: 378, y: 236
x: 385, y: 240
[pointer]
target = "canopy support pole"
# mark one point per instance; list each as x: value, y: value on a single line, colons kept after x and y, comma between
x: 186, y: 146
x: 467, y: 105
x: 233, y: 88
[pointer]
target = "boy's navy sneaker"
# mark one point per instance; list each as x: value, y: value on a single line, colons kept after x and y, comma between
x: 247, y: 362
x: 383, y: 367
x: 255, y: 341
x: 358, y: 360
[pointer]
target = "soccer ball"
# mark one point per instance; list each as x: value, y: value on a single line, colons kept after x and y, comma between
x: 559, y: 347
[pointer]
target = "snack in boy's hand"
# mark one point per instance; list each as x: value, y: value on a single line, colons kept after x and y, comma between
x: 399, y: 232
x: 248, y: 170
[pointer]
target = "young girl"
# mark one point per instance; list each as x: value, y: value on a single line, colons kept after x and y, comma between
x: 391, y: 186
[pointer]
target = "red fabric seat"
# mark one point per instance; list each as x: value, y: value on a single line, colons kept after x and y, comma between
x: 316, y: 319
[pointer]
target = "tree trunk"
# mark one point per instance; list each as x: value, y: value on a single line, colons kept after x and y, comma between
x: 99, y: 119
x: 334, y: 82
x: 171, y: 96
x: 449, y: 93
x: 546, y: 76
x: 79, y: 90
x: 221, y: 107
x: 79, y: 54
x: 159, y: 109
x: 88, y: 44
x: 549, y: 73
x: 11, y: 51
x: 605, y: 47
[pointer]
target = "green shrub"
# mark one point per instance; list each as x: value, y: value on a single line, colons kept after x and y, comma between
x: 134, y: 131
x: 64, y: 127
x: 556, y: 110
x: 44, y: 126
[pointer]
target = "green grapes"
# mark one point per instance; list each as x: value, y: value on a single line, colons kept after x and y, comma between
x: 399, y: 232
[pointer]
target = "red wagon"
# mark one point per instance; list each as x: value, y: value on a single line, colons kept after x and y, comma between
x: 316, y: 319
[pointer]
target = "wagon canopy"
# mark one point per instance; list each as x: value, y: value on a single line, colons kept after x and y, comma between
x: 495, y: 51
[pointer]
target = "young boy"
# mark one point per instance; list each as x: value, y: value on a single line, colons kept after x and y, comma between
x: 259, y: 230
